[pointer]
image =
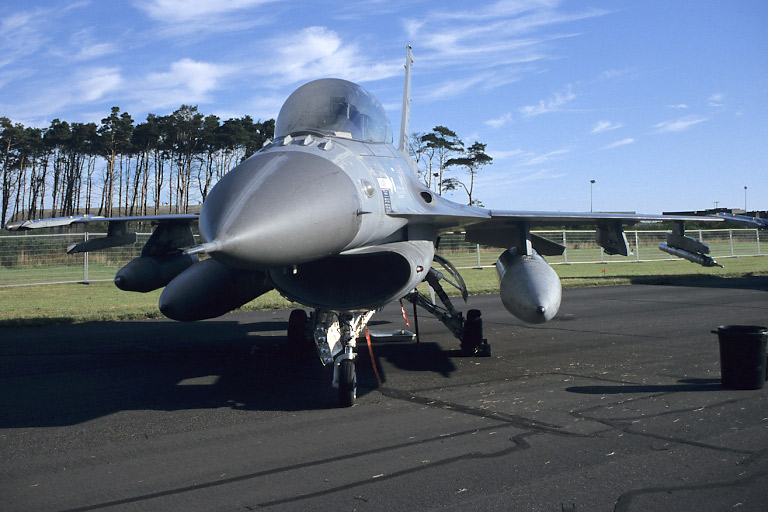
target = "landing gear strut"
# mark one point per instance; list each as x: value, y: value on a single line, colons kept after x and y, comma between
x: 470, y: 330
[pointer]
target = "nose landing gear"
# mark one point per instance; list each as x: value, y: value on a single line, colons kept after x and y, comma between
x: 335, y: 338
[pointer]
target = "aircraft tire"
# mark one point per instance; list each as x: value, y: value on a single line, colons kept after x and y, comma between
x: 298, y: 344
x: 473, y: 332
x: 347, y: 383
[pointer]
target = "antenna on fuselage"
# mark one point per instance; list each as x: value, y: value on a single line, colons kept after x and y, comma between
x: 405, y: 113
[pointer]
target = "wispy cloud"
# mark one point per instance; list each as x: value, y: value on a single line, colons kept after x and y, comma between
x: 95, y: 50
x: 95, y: 83
x: 605, y: 126
x: 185, y: 81
x: 551, y: 104
x: 678, y: 106
x: 619, y: 143
x: 503, y: 38
x: 611, y: 74
x: 538, y: 159
x: 523, y: 158
x: 316, y: 52
x: 80, y: 87
x: 716, y: 100
x: 184, y: 11
x: 22, y: 34
x: 544, y: 174
x: 502, y: 180
x: 500, y: 121
x: 451, y: 89
x: 188, y: 17
x: 503, y: 155
x: 678, y: 125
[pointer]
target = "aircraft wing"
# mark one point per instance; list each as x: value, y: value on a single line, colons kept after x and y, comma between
x: 172, y: 232
x: 23, y: 225
x: 510, y: 228
x: 537, y: 218
x: 505, y: 229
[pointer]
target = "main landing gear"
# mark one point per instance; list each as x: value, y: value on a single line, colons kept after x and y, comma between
x: 470, y: 330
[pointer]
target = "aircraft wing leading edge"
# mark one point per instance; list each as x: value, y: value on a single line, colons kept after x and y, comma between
x: 83, y: 219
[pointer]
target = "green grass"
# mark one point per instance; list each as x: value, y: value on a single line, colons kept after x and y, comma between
x: 96, y: 302
x: 608, y: 274
x: 75, y: 303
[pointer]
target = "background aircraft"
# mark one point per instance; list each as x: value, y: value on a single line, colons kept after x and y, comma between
x: 744, y: 220
x: 332, y: 216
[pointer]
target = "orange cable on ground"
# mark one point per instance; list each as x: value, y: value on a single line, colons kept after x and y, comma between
x: 373, y: 361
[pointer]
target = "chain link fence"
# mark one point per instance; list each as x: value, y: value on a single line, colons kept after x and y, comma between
x: 43, y: 259
x: 27, y: 259
x: 581, y: 247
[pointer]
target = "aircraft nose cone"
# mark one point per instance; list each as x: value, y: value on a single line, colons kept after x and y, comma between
x: 280, y: 209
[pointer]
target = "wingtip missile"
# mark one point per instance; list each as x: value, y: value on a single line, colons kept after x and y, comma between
x: 701, y: 259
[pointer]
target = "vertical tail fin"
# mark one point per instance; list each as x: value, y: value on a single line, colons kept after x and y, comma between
x: 405, y: 114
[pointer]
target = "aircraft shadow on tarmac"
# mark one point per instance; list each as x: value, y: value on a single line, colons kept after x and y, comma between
x: 682, y: 386
x: 74, y: 373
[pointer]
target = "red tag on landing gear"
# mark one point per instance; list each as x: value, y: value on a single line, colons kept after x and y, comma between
x: 405, y: 317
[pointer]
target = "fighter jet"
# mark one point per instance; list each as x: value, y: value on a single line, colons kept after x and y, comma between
x: 334, y: 217
x: 743, y: 220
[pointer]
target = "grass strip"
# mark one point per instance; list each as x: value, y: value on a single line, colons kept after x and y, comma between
x: 102, y: 302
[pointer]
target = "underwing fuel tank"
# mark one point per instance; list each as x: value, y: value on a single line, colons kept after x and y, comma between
x: 209, y: 289
x: 147, y: 273
x: 529, y: 288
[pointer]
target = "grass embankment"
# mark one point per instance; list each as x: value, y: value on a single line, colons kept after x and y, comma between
x: 75, y: 303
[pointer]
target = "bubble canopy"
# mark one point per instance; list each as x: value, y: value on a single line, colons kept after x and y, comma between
x: 331, y: 106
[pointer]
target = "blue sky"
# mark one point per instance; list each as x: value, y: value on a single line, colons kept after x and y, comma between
x: 662, y: 103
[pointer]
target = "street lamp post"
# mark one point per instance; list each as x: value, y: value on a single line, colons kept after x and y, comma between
x: 591, y: 182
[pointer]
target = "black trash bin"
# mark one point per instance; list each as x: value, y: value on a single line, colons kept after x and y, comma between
x: 742, y: 355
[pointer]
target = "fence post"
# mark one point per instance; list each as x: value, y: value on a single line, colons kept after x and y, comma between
x: 85, y: 260
x: 565, y: 250
x: 637, y: 247
x: 757, y: 235
x: 730, y: 238
x: 478, y: 255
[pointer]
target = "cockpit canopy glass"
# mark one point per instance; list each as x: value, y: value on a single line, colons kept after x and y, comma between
x: 331, y: 106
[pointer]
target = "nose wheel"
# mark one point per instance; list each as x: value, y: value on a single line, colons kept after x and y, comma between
x: 347, y: 383
x: 335, y: 338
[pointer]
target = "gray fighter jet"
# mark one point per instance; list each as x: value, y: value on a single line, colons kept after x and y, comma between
x: 332, y: 216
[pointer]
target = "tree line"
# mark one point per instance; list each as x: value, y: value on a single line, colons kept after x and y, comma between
x: 164, y: 164
x: 440, y: 151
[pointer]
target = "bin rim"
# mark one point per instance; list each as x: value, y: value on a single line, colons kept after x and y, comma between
x: 741, y: 329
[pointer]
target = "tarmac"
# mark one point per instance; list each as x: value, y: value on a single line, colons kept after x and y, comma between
x: 616, y: 404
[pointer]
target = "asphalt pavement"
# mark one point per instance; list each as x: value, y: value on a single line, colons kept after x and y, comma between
x: 616, y: 404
